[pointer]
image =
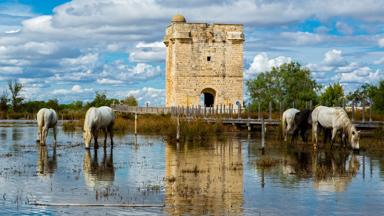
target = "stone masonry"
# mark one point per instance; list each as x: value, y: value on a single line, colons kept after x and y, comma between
x: 203, y: 59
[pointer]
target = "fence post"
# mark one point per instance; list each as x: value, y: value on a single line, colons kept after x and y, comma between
x: 239, y: 111
x: 249, y: 116
x: 258, y: 110
x: 310, y: 104
x: 370, y: 111
x: 178, y: 129
x: 262, y: 133
x: 293, y: 104
x: 135, y: 123
x: 270, y: 110
x: 353, y: 110
x: 363, y: 113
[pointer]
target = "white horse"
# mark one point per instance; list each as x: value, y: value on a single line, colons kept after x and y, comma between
x: 288, y: 120
x: 337, y: 119
x: 46, y: 118
x: 96, y: 119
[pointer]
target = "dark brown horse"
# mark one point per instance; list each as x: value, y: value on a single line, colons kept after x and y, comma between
x: 302, y: 123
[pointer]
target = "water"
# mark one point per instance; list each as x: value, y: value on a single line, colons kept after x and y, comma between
x: 212, y: 178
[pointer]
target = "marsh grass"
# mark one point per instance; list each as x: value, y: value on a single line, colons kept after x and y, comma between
x: 164, y: 125
x: 266, y: 162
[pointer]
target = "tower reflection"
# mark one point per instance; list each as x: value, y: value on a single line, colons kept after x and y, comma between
x: 204, y: 178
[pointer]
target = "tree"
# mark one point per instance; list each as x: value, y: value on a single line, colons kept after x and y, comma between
x: 377, y: 95
x: 102, y: 100
x: 53, y: 104
x: 15, y: 88
x: 333, y: 95
x: 4, y: 101
x: 130, y: 101
x: 287, y: 83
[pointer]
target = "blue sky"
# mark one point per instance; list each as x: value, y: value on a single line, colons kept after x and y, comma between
x: 70, y: 49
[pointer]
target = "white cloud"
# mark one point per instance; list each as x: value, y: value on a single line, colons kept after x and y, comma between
x: 108, y: 81
x: 303, y: 38
x: 381, y: 42
x: 74, y: 90
x: 379, y: 61
x: 262, y: 63
x: 333, y: 57
x: 344, y: 28
x: 144, y: 52
x: 154, y: 96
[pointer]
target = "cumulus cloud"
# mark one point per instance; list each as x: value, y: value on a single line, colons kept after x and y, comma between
x: 155, y: 97
x: 381, y: 42
x: 74, y: 90
x: 303, y: 38
x: 333, y: 57
x: 262, y: 63
x: 148, y: 52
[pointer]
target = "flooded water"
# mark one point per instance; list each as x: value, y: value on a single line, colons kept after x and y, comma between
x: 212, y: 178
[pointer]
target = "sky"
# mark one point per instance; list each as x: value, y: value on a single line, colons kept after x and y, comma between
x: 68, y: 50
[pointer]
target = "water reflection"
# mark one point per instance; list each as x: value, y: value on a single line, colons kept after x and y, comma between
x: 98, y: 174
x: 329, y: 170
x: 333, y: 171
x: 204, y: 180
x: 46, y: 165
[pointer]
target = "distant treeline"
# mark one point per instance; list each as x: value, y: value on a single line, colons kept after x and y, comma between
x: 13, y: 105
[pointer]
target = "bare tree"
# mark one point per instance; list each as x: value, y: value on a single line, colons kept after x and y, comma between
x: 15, y: 88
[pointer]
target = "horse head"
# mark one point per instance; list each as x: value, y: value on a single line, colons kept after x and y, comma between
x: 354, y: 138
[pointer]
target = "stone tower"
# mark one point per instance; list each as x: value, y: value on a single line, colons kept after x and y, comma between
x: 204, y: 63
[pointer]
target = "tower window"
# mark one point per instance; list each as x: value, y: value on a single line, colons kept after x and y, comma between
x: 208, y: 58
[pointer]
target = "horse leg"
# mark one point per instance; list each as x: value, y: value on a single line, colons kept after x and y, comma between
x: 314, y: 134
x: 105, y: 137
x: 39, y: 134
x: 95, y: 134
x: 44, y: 135
x: 54, y: 134
x: 334, y: 132
x: 110, y: 130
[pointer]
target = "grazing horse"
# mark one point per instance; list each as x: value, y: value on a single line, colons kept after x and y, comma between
x: 46, y: 118
x: 287, y: 121
x: 302, y: 122
x: 96, y: 119
x: 337, y: 119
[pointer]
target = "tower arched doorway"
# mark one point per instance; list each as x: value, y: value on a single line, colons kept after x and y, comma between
x: 208, y: 97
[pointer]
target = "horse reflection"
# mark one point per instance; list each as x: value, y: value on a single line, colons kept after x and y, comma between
x: 333, y: 171
x: 46, y: 164
x: 98, y: 174
x: 204, y: 179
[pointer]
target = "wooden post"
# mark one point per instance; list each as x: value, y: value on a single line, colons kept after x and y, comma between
x: 262, y: 134
x: 258, y: 111
x: 280, y: 109
x: 178, y: 129
x: 363, y: 112
x: 230, y: 110
x: 353, y: 110
x: 370, y: 111
x: 270, y: 110
x: 249, y: 117
x: 135, y: 123
x: 224, y: 110
x: 221, y: 109
x: 239, y: 111
x: 343, y: 103
x: 293, y: 104
x: 310, y: 104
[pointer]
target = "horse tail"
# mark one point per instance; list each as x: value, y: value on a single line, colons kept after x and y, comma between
x: 283, y: 124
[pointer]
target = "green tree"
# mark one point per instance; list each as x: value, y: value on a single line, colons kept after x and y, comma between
x: 102, y: 100
x: 333, y: 95
x: 4, y: 101
x: 287, y: 83
x: 53, y: 104
x: 130, y: 101
x: 377, y: 95
x: 15, y: 88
